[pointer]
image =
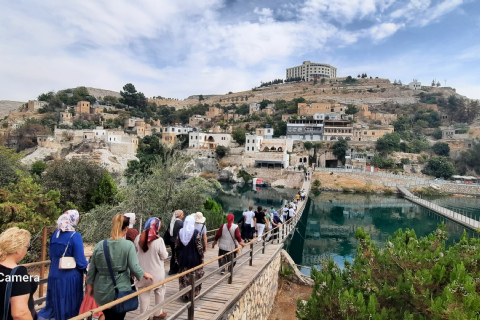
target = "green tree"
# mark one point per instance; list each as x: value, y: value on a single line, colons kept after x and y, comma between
x: 351, y: 109
x: 239, y: 135
x: 439, y: 167
x: 437, y: 133
x: 155, y: 194
x: 221, y: 151
x: 9, y: 164
x: 38, y: 167
x: 75, y: 179
x: 322, y: 81
x: 243, y: 109
x: 110, y: 100
x: 26, y: 205
x: 200, y: 97
x: 308, y: 145
x: 213, y: 212
x: 388, y: 143
x: 105, y: 192
x: 340, y: 150
x: 46, y: 96
x: 441, y: 148
x: 315, y: 82
x: 129, y: 95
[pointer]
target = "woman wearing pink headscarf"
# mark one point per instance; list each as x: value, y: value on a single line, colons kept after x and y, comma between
x: 228, y: 237
x: 151, y: 252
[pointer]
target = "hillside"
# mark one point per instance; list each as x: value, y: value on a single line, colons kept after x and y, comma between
x: 7, y: 107
x: 364, y: 91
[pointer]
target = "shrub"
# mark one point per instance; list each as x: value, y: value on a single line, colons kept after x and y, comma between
x: 410, y: 278
x: 316, y: 183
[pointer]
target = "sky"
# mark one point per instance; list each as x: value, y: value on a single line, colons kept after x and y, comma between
x: 180, y: 48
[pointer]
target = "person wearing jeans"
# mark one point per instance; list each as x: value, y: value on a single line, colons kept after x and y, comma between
x: 260, y: 221
x: 249, y: 223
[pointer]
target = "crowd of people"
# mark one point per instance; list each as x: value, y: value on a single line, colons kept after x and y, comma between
x: 127, y: 260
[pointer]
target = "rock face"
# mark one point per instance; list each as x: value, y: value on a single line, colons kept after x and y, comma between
x: 40, y: 153
x: 229, y: 174
x: 111, y: 162
x: 7, y: 107
x: 209, y: 165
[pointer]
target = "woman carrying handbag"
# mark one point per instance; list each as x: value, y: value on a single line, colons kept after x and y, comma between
x: 67, y: 268
x: 112, y: 262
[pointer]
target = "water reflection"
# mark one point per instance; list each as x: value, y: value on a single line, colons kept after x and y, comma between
x: 327, y: 228
x: 236, y: 198
x: 328, y: 225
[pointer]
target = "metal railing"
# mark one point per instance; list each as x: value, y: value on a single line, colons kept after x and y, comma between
x: 262, y: 241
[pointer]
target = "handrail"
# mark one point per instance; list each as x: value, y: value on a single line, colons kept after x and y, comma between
x: 287, y: 224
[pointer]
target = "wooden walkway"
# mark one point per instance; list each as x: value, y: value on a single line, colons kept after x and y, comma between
x: 452, y: 215
x: 217, y: 301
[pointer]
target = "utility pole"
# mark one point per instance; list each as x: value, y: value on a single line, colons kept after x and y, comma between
x: 445, y: 82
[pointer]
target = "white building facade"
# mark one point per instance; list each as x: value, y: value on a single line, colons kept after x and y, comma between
x: 207, y: 140
x: 311, y: 71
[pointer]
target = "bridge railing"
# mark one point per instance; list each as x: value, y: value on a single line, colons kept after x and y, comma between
x: 44, y: 281
x: 254, y: 247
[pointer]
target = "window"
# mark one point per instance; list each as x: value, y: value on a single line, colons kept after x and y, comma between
x: 248, y: 148
x: 248, y: 141
x: 373, y: 133
x: 191, y: 137
x: 253, y: 141
x: 253, y: 148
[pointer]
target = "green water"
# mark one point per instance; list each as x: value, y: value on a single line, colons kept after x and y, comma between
x: 328, y: 224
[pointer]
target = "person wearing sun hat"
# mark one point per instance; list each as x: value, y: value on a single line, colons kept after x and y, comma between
x: 201, y: 227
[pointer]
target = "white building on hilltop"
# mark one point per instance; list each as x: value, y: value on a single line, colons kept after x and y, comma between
x: 267, y: 152
x: 311, y: 71
x: 415, y: 85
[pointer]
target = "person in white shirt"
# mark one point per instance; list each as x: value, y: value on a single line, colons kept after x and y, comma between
x: 291, y: 213
x: 249, y: 223
x: 293, y: 205
x: 285, y: 212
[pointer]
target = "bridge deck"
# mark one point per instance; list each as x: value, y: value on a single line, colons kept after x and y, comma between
x: 452, y: 215
x: 217, y: 301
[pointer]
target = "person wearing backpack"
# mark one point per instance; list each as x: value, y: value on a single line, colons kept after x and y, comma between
x: 14, y: 243
x: 201, y: 228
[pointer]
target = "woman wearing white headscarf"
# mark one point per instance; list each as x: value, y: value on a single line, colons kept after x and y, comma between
x: 65, y: 286
x: 189, y: 254
x: 132, y: 233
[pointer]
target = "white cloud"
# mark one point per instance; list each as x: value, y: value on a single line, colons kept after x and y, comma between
x: 384, y: 30
x: 178, y: 48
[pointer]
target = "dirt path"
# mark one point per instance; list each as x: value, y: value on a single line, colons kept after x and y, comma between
x: 286, y: 299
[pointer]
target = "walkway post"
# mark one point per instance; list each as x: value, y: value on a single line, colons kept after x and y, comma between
x: 264, y: 241
x: 191, y: 309
x: 44, y: 256
x: 230, y: 259
x: 251, y: 254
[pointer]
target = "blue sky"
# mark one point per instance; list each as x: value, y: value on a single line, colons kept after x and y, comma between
x: 178, y: 48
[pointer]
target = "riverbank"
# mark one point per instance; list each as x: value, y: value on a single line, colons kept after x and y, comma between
x: 285, y: 303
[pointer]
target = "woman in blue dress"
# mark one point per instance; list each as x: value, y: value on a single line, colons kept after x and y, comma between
x: 65, y: 287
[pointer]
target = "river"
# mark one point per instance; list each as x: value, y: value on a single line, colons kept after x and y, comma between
x: 327, y: 228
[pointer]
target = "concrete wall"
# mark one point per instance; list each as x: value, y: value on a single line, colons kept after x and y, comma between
x: 257, y: 300
x: 459, y: 188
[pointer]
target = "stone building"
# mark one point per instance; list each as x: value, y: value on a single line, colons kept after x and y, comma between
x: 197, y: 120
x: 34, y: 105
x: 311, y: 109
x: 82, y: 107
x: 66, y: 118
x: 454, y: 134
x: 366, y: 134
x: 266, y: 152
x: 384, y: 118
x: 338, y: 130
x: 213, y: 112
x: 254, y: 108
x: 311, y: 71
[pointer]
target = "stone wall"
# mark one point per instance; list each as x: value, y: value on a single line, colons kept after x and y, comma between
x: 257, y: 300
x: 459, y: 188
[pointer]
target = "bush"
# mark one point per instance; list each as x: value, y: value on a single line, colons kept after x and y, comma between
x: 213, y: 212
x: 316, y: 183
x: 410, y: 279
x: 439, y: 167
x: 76, y: 180
x: 244, y: 175
x: 441, y: 148
x: 222, y: 151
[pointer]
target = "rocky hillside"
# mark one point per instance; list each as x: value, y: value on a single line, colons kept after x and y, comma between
x: 7, y: 107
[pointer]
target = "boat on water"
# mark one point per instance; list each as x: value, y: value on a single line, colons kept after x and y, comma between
x: 259, y: 182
